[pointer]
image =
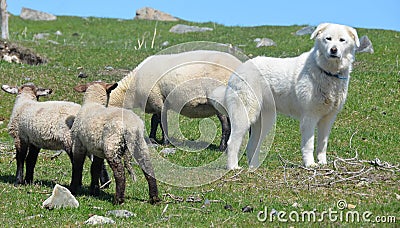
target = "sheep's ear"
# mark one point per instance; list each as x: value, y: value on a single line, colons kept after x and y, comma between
x: 111, y: 86
x: 354, y: 35
x: 320, y: 28
x: 43, y: 92
x: 9, y: 89
x: 81, y: 88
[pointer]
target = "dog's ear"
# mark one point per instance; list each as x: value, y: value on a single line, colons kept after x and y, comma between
x: 320, y: 28
x: 353, y: 34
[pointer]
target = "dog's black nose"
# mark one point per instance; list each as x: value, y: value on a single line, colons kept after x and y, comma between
x: 334, y: 50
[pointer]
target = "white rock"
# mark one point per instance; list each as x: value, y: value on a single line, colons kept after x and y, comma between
x: 167, y: 151
x: 121, y: 213
x: 264, y: 42
x: 180, y: 29
x: 365, y: 45
x: 99, y: 220
x: 60, y: 198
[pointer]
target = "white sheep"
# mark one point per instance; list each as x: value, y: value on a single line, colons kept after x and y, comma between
x: 113, y: 133
x: 35, y: 125
x: 189, y: 76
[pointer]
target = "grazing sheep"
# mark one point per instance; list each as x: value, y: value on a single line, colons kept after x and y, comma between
x: 190, y: 76
x: 112, y: 133
x: 35, y: 125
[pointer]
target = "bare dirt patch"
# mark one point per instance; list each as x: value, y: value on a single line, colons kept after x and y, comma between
x: 12, y: 52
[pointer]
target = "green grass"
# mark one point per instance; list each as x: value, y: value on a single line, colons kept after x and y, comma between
x: 369, y: 122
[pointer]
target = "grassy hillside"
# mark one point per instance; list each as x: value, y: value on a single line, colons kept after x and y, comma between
x: 368, y: 125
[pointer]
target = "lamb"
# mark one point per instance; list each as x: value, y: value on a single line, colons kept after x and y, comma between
x: 112, y: 133
x: 35, y: 125
x: 189, y: 76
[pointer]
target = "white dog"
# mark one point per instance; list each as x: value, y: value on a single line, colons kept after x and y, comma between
x: 311, y: 87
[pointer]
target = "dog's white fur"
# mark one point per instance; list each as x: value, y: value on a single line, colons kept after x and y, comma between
x: 311, y: 87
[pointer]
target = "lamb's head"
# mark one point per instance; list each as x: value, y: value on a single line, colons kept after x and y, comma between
x: 28, y: 89
x: 97, y: 91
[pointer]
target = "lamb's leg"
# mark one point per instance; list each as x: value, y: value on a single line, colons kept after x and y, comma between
x: 104, y: 177
x: 117, y: 167
x: 31, y: 162
x: 21, y: 149
x: 79, y: 155
x: 164, y: 125
x: 226, y: 131
x: 142, y: 157
x: 95, y: 171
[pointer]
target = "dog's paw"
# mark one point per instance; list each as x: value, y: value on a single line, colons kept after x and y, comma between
x: 234, y: 167
x: 311, y: 165
x: 322, y: 163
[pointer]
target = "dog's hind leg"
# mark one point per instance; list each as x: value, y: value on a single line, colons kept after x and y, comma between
x: 259, y: 131
x: 239, y: 127
x: 324, y: 129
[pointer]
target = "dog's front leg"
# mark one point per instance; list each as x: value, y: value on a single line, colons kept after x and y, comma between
x: 324, y: 129
x: 307, y: 127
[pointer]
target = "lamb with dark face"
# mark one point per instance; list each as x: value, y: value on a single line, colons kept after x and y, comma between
x: 110, y: 133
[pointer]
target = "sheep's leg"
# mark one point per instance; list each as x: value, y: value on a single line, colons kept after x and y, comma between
x: 119, y: 175
x: 155, y: 121
x: 95, y: 172
x: 164, y: 125
x: 21, y: 149
x: 31, y: 162
x: 226, y: 131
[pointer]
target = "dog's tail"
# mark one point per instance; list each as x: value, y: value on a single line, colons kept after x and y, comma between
x: 217, y: 99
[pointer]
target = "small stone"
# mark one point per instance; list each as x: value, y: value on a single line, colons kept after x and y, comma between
x: 295, y: 204
x: 264, y: 42
x: 168, y: 151
x: 180, y: 29
x: 82, y: 75
x: 165, y: 44
x: 351, y: 206
x: 305, y: 31
x: 121, y: 213
x: 228, y: 207
x: 41, y: 36
x: 53, y: 42
x: 397, y: 196
x: 247, y: 209
x: 99, y: 220
x: 34, y: 216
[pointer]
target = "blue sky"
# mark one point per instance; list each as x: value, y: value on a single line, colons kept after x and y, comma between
x: 383, y: 14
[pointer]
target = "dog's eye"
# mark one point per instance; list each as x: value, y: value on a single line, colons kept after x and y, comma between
x: 328, y: 38
x: 342, y: 40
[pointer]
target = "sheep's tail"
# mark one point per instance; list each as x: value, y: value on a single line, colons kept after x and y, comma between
x: 137, y: 147
x: 217, y: 99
